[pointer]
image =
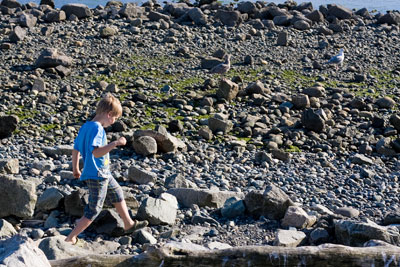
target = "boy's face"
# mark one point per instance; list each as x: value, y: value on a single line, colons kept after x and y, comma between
x: 110, y: 119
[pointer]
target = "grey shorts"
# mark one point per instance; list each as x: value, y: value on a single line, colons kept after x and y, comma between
x: 106, y: 189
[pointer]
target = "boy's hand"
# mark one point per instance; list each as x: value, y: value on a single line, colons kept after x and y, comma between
x: 76, y: 173
x: 121, y: 141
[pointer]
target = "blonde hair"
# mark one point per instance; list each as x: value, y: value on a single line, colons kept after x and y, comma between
x: 109, y: 104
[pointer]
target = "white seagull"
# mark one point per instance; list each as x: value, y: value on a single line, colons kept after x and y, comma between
x: 338, y: 59
x: 222, y: 68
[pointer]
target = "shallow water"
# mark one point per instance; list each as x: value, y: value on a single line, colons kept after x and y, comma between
x: 379, y: 5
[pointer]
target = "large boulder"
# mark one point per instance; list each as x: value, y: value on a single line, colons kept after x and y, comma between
x: 390, y: 18
x: 354, y: 233
x: 219, y: 123
x: 229, y: 18
x: 55, y: 16
x: 289, y: 238
x: 165, y: 141
x: 340, y: 12
x: 9, y: 166
x: 55, y: 248
x: 202, y: 197
x: 272, y: 203
x: 21, y: 251
x: 17, y: 197
x: 79, y: 10
x: 178, y: 181
x: 49, y: 200
x: 197, y: 16
x: 141, y: 176
x: 130, y: 10
x: 145, y: 145
x: 159, y: 211
x: 296, y: 217
x: 227, y: 89
x: 6, y: 229
x: 50, y: 58
x: 8, y: 124
x: 314, y: 120
x: 74, y: 203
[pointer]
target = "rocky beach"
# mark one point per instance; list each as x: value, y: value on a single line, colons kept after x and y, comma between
x: 282, y: 150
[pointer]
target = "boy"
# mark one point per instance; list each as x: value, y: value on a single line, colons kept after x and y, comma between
x: 91, y: 142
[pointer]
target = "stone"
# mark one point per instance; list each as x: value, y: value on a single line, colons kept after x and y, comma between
x: 217, y: 124
x: 227, y: 89
x: 10, y: 3
x: 55, y: 16
x: 47, y: 2
x: 107, y: 32
x: 283, y: 39
x: 319, y: 236
x: 9, y: 166
x: 395, y: 121
x: 145, y: 145
x: 316, y: 16
x: 165, y: 141
x: 8, y: 124
x: 178, y: 181
x: 144, y: 237
x: 353, y: 233
x: 6, y: 229
x: 18, y: 34
x: 361, y: 159
x: 383, y: 146
x: 301, y: 25
x: 74, y: 203
x: 347, y: 212
x: 289, y: 238
x: 296, y: 217
x: 49, y: 200
x: 51, y: 57
x: 197, y: 16
x: 233, y: 207
x: 27, y: 20
x: 210, y: 62
x: 386, y: 102
x: 79, y: 10
x: 313, y: 120
x: 159, y: 211
x: 272, y: 203
x: 257, y: 88
x: 340, y: 12
x: 206, y: 133
x: 17, y: 197
x: 156, y: 16
x: 130, y: 10
x: 301, y: 101
x: 314, y: 91
x: 55, y: 248
x: 202, y: 197
x: 141, y: 176
x: 390, y: 18
x: 20, y: 251
x: 229, y: 18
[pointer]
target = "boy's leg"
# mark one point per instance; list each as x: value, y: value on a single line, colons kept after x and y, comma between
x: 82, y: 224
x: 122, y: 210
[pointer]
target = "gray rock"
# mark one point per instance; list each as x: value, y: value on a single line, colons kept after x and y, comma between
x: 107, y: 31
x: 159, y: 211
x: 216, y: 124
x: 6, y: 229
x: 130, y: 10
x: 272, y: 203
x: 229, y: 18
x: 301, y: 101
x: 17, y: 197
x: 145, y: 145
x: 361, y: 159
x: 340, y: 12
x: 50, y: 58
x: 21, y: 251
x: 282, y: 20
x: 79, y: 10
x: 18, y: 34
x: 289, y: 238
x: 313, y: 120
x: 210, y: 62
x: 390, y: 18
x: 156, y: 16
x: 55, y: 16
x: 227, y: 89
x: 197, y: 16
x: 47, y: 2
x: 55, y: 248
x: 144, y: 237
x: 108, y: 222
x: 395, y: 121
x: 27, y: 20
x: 10, y: 3
x: 301, y: 25
x: 49, y: 199
x: 165, y: 141
x: 283, y: 39
x: 314, y: 91
x: 74, y: 203
x: 383, y: 146
x: 141, y: 176
x: 233, y: 207
x: 206, y: 133
x: 296, y: 217
x: 319, y: 236
x: 257, y: 88
x: 347, y: 212
x: 281, y: 155
x: 353, y: 233
x: 247, y: 7
x: 202, y: 197
x: 9, y: 166
x: 8, y: 124
x: 386, y: 102
x: 179, y: 181
x: 316, y: 16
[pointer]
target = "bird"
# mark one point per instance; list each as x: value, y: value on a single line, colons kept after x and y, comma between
x: 338, y: 59
x: 222, y: 68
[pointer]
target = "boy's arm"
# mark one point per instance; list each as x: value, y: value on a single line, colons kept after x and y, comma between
x: 75, y: 163
x: 101, y: 151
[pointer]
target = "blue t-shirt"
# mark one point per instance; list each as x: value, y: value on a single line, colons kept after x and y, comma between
x: 90, y: 136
